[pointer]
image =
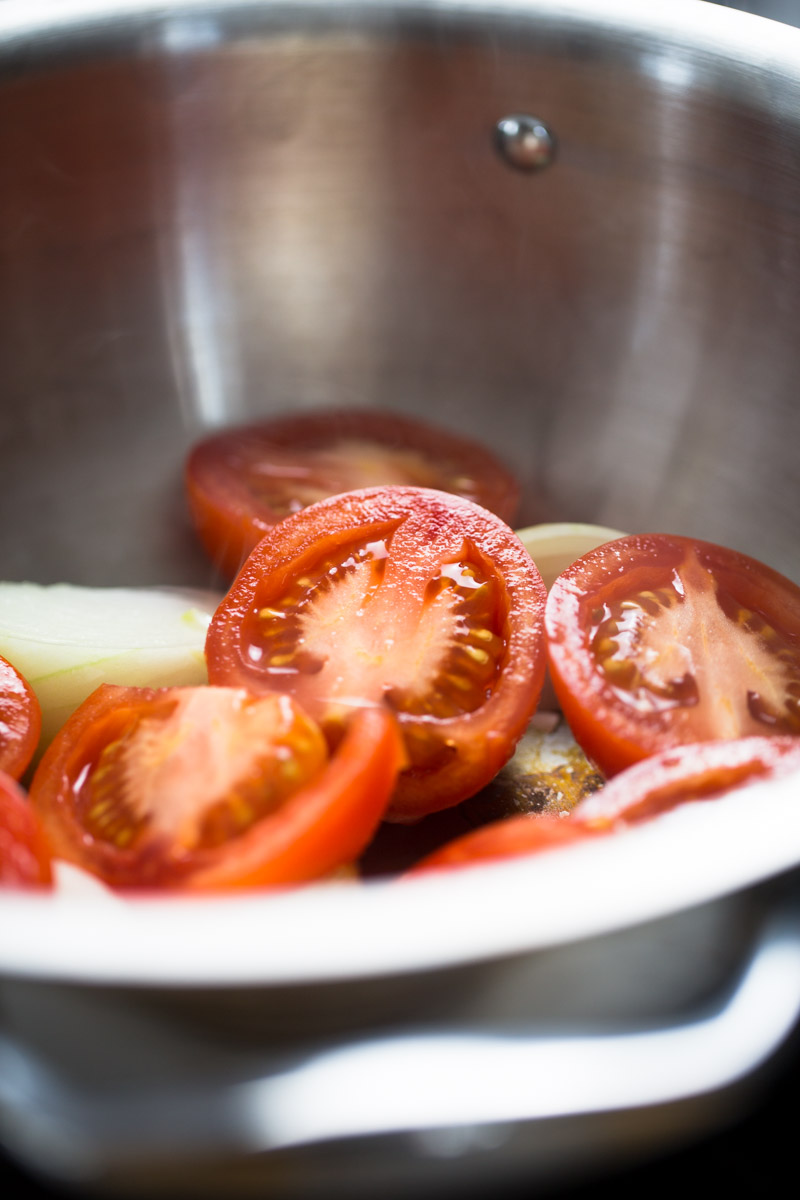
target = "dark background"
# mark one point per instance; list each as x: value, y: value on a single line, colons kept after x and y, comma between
x: 754, y: 1155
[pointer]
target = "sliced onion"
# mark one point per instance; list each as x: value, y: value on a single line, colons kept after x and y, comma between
x: 553, y: 547
x: 67, y: 640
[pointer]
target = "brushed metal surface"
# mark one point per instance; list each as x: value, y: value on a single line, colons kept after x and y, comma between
x: 214, y: 210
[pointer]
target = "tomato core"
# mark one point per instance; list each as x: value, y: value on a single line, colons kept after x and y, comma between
x: 324, y: 627
x: 656, y: 650
x: 198, y: 767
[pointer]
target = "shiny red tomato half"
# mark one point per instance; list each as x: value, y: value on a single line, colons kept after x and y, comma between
x: 407, y: 598
x: 699, y: 771
x: 25, y: 859
x: 20, y: 721
x: 528, y: 833
x: 211, y: 788
x: 657, y: 640
x: 241, y: 481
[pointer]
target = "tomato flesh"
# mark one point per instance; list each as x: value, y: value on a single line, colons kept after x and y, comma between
x: 656, y: 640
x: 253, y: 756
x: 690, y: 772
x: 25, y: 859
x: 241, y: 481
x: 193, y: 786
x: 329, y: 635
x: 20, y: 721
x: 408, y: 598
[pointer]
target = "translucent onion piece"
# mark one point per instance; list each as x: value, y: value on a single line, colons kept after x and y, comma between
x: 67, y: 640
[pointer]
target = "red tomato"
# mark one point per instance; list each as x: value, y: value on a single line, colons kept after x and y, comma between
x: 657, y: 640
x: 406, y: 597
x: 210, y: 787
x: 24, y: 854
x: 20, y: 721
x: 699, y: 771
x: 528, y: 833
x: 242, y: 481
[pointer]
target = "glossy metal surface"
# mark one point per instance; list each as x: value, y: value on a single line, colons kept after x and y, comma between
x: 212, y: 210
x: 454, y: 1093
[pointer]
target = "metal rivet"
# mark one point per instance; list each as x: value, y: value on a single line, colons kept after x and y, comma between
x: 525, y: 142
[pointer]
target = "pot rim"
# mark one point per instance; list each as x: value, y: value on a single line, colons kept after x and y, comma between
x: 340, y: 930
x: 745, y: 38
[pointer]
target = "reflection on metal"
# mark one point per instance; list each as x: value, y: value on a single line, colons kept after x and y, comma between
x: 525, y: 142
x: 669, y: 67
x: 189, y: 32
x: 433, y: 1081
x: 422, y: 1082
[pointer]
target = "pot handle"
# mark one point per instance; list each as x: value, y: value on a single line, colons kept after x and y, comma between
x: 405, y: 1082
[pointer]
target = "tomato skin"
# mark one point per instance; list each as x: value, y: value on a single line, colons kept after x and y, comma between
x: 515, y: 837
x: 369, y: 647
x: 25, y: 859
x: 615, y: 730
x: 687, y: 773
x: 231, y: 506
x: 20, y: 721
x: 317, y: 829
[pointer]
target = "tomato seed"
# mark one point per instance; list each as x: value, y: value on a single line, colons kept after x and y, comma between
x: 477, y: 654
x: 605, y: 647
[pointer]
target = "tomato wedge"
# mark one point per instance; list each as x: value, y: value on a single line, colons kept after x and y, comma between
x: 404, y: 597
x: 688, y: 773
x: 528, y: 833
x: 20, y: 721
x: 656, y: 641
x: 24, y: 854
x: 210, y: 788
x: 241, y: 481
x: 699, y: 771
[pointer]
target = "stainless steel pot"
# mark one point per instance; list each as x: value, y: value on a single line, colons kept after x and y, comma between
x: 569, y: 229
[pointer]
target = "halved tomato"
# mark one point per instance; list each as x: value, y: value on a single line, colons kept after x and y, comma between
x: 241, y: 481
x: 408, y: 598
x: 20, y: 721
x: 657, y: 640
x: 688, y: 773
x: 210, y: 787
x: 698, y: 771
x: 528, y: 833
x: 24, y: 853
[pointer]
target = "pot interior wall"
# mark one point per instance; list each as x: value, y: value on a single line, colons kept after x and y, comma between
x: 201, y: 221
